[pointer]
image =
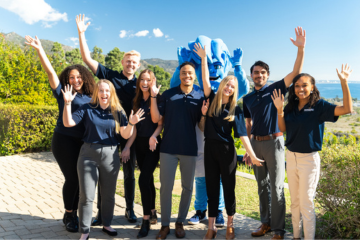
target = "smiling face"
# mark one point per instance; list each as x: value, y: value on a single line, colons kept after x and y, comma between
x: 229, y: 88
x: 104, y: 94
x: 187, y: 75
x: 145, y: 82
x: 303, y: 88
x: 260, y: 76
x: 130, y: 63
x: 75, y: 80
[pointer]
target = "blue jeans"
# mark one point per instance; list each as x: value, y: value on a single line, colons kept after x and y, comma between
x: 201, y: 196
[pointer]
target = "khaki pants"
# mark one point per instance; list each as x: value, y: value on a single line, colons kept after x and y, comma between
x: 303, y: 170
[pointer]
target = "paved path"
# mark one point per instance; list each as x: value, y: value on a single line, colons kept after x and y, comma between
x: 31, y: 205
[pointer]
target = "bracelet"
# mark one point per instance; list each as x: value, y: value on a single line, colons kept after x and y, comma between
x: 153, y: 97
x: 282, y: 114
x: 68, y: 103
x: 203, y: 115
x: 130, y: 123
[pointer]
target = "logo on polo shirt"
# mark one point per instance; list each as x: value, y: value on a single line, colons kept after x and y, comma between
x: 194, y: 103
x: 225, y: 110
x: 266, y: 94
x: 308, y: 110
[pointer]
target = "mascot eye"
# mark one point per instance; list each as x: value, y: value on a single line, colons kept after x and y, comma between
x: 217, y: 66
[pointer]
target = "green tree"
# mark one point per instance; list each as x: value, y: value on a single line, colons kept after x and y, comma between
x: 162, y: 77
x: 113, y: 59
x: 73, y: 57
x: 97, y: 55
x: 58, y: 57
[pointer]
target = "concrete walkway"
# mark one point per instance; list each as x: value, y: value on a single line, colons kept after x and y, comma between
x: 31, y: 205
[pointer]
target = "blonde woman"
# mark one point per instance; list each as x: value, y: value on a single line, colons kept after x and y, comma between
x: 103, y: 118
x: 223, y: 116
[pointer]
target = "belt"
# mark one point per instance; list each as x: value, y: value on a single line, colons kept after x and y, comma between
x: 268, y: 137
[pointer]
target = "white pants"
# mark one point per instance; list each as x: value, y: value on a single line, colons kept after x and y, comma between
x: 303, y: 170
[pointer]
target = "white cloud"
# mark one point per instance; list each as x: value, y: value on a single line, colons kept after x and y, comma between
x: 157, y: 32
x: 98, y: 28
x: 34, y: 11
x: 74, y: 40
x: 142, y: 33
x: 122, y: 34
x: 169, y: 39
x: 166, y: 36
x: 87, y: 19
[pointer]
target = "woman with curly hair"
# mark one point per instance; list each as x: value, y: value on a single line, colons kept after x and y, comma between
x: 104, y: 119
x: 66, y: 142
x: 303, y: 119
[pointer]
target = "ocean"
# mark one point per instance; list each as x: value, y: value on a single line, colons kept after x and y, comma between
x: 331, y: 90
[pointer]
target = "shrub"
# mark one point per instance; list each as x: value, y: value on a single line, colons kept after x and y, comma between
x: 338, y: 192
x: 26, y: 128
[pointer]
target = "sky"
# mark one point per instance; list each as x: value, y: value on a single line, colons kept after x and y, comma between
x: 262, y: 28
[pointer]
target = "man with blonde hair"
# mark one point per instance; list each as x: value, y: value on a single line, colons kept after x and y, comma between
x: 125, y: 85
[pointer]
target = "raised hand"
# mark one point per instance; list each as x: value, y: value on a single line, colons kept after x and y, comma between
x: 135, y: 118
x: 205, y: 107
x: 278, y: 100
x: 237, y: 58
x: 154, y: 91
x: 152, y: 143
x: 300, y: 37
x: 345, y: 72
x: 201, y: 52
x: 80, y: 22
x: 35, y: 43
x: 68, y: 95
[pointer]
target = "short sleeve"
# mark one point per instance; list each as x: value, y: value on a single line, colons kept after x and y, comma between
x: 280, y: 85
x: 79, y: 114
x: 239, y: 123
x: 246, y: 111
x: 327, y: 110
x: 57, y: 92
x: 106, y: 73
x: 162, y: 104
x: 123, y: 119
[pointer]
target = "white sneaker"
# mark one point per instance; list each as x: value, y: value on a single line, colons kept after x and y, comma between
x: 198, y: 217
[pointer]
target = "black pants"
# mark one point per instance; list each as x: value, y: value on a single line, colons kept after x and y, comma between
x: 219, y: 160
x: 147, y: 161
x: 66, y: 151
x: 129, y: 177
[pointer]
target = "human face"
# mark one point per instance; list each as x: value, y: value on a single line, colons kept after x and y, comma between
x: 104, y: 95
x: 145, y: 82
x: 187, y: 75
x: 303, y: 88
x: 260, y: 76
x: 75, y: 80
x: 229, y: 88
x: 130, y: 64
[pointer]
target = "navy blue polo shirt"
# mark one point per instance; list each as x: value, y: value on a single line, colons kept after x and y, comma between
x: 259, y: 106
x: 99, y: 124
x: 125, y: 89
x: 217, y: 128
x: 146, y: 127
x: 181, y: 113
x: 79, y: 100
x: 305, y: 128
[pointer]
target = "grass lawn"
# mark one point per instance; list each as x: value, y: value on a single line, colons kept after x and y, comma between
x: 247, y: 200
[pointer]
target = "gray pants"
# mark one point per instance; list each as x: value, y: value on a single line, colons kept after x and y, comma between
x: 97, y: 162
x: 168, y: 165
x: 270, y: 178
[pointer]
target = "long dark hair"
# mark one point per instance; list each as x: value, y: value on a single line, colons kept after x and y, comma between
x: 293, y: 100
x: 86, y: 77
x: 138, y: 92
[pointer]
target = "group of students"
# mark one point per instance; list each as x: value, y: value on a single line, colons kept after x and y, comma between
x: 92, y: 124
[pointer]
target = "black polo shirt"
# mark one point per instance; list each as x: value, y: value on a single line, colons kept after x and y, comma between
x: 181, y: 113
x: 259, y: 106
x: 99, y: 124
x: 146, y: 127
x: 217, y: 128
x: 125, y: 89
x: 305, y: 128
x: 79, y: 100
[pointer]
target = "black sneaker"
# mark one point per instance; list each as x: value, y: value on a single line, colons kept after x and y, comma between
x: 153, y: 218
x: 130, y: 215
x: 70, y: 222
x: 198, y: 217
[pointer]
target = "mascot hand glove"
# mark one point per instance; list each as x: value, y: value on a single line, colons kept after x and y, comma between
x: 237, y: 59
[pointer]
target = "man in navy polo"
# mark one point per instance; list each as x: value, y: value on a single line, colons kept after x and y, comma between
x: 268, y: 142
x: 181, y: 109
x: 125, y: 85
